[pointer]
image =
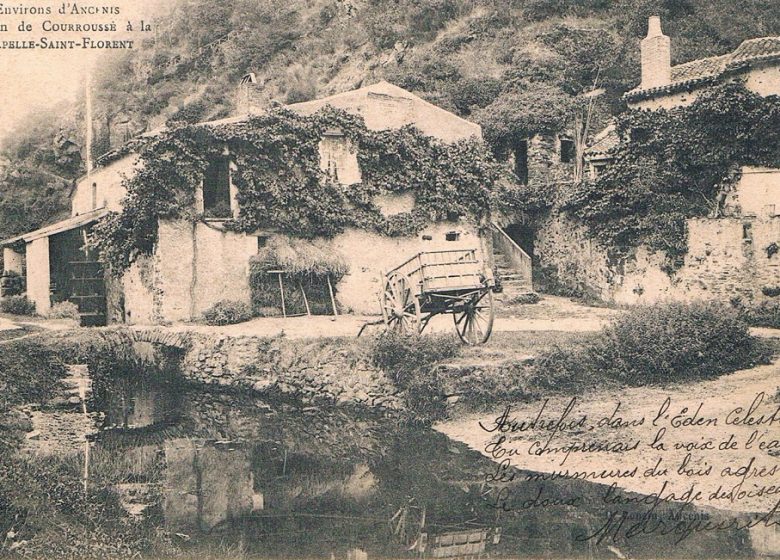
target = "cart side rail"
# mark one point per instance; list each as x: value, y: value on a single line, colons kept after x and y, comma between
x: 443, y: 270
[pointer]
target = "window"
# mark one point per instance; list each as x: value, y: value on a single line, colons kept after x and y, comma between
x: 598, y: 169
x: 520, y: 150
x: 262, y: 241
x: 567, y: 150
x: 452, y: 236
x: 338, y: 157
x: 94, y: 196
x: 216, y: 189
x: 747, y: 232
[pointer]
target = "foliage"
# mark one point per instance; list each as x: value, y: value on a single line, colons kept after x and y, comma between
x: 64, y: 310
x: 45, y: 513
x: 763, y: 314
x: 528, y: 298
x: 521, y: 114
x: 12, y: 283
x: 280, y: 183
x: 409, y: 360
x: 462, y: 54
x: 401, y: 355
x: 672, y: 165
x: 29, y: 370
x: 227, y: 312
x: 17, y: 305
x: 659, y: 344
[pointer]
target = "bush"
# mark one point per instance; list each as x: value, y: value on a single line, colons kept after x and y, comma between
x: 11, y: 283
x: 29, y: 371
x: 663, y: 343
x: 528, y: 298
x: 401, y: 356
x: 64, y: 310
x: 771, y: 291
x: 764, y: 314
x: 227, y: 313
x: 408, y: 360
x: 17, y: 305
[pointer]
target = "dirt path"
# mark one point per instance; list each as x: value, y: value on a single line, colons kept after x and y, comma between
x: 717, y: 399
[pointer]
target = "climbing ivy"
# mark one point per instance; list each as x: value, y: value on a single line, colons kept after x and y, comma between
x: 280, y: 184
x: 672, y: 165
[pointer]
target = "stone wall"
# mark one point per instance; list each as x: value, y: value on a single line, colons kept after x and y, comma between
x: 727, y: 258
x: 197, y: 265
x: 332, y: 372
x: 108, y: 188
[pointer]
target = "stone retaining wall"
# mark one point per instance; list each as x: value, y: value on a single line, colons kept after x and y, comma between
x: 333, y: 371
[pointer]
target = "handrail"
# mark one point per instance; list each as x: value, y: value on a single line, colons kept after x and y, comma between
x: 511, y: 241
x: 519, y: 259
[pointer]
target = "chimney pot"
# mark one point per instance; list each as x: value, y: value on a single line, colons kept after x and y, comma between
x: 654, y: 26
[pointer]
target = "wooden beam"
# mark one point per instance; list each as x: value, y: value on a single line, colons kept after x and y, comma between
x: 332, y: 298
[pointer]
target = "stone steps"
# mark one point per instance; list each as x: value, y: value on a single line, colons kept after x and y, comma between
x: 513, y: 283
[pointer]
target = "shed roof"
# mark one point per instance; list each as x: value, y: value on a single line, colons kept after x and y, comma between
x: 59, y: 227
x: 603, y: 144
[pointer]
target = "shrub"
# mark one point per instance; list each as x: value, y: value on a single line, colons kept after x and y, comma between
x: 403, y: 355
x: 29, y: 371
x: 408, y: 360
x: 17, y: 305
x: 663, y: 343
x: 764, y: 314
x: 227, y: 312
x: 771, y: 291
x: 528, y: 298
x: 64, y: 310
x: 11, y: 283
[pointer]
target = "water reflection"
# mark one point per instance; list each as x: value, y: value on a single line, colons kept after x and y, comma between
x: 278, y: 481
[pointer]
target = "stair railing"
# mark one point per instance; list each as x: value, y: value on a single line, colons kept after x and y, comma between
x: 518, y: 259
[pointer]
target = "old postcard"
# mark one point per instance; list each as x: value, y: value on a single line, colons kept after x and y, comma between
x: 365, y: 279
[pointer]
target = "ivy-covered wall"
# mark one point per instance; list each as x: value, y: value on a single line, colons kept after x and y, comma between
x: 413, y: 190
x: 280, y: 184
x: 727, y: 257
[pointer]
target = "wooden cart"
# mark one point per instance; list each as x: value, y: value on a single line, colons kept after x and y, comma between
x: 437, y: 282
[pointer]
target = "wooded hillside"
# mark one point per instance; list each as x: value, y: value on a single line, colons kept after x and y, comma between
x: 515, y: 66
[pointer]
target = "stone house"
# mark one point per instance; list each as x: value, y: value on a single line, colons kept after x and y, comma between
x: 733, y: 254
x: 194, y: 265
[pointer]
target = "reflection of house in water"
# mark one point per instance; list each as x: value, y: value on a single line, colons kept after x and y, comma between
x: 206, y: 484
x: 289, y: 483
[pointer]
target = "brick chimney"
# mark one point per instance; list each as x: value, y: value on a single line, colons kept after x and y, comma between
x: 656, y: 56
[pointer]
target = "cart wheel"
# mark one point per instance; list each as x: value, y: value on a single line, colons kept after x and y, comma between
x: 400, y: 307
x: 475, y: 323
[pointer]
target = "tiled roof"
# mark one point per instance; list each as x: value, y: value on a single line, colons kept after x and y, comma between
x: 603, y: 143
x: 709, y: 69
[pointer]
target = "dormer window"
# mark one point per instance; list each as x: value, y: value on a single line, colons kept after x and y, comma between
x: 216, y: 189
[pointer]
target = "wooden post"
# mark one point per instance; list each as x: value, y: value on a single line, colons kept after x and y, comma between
x: 332, y: 298
x: 305, y: 300
x: 281, y: 290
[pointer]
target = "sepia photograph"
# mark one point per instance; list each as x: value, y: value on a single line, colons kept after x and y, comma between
x: 389, y: 279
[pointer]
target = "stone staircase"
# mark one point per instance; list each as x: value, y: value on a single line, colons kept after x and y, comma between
x: 512, y: 268
x: 514, y: 283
